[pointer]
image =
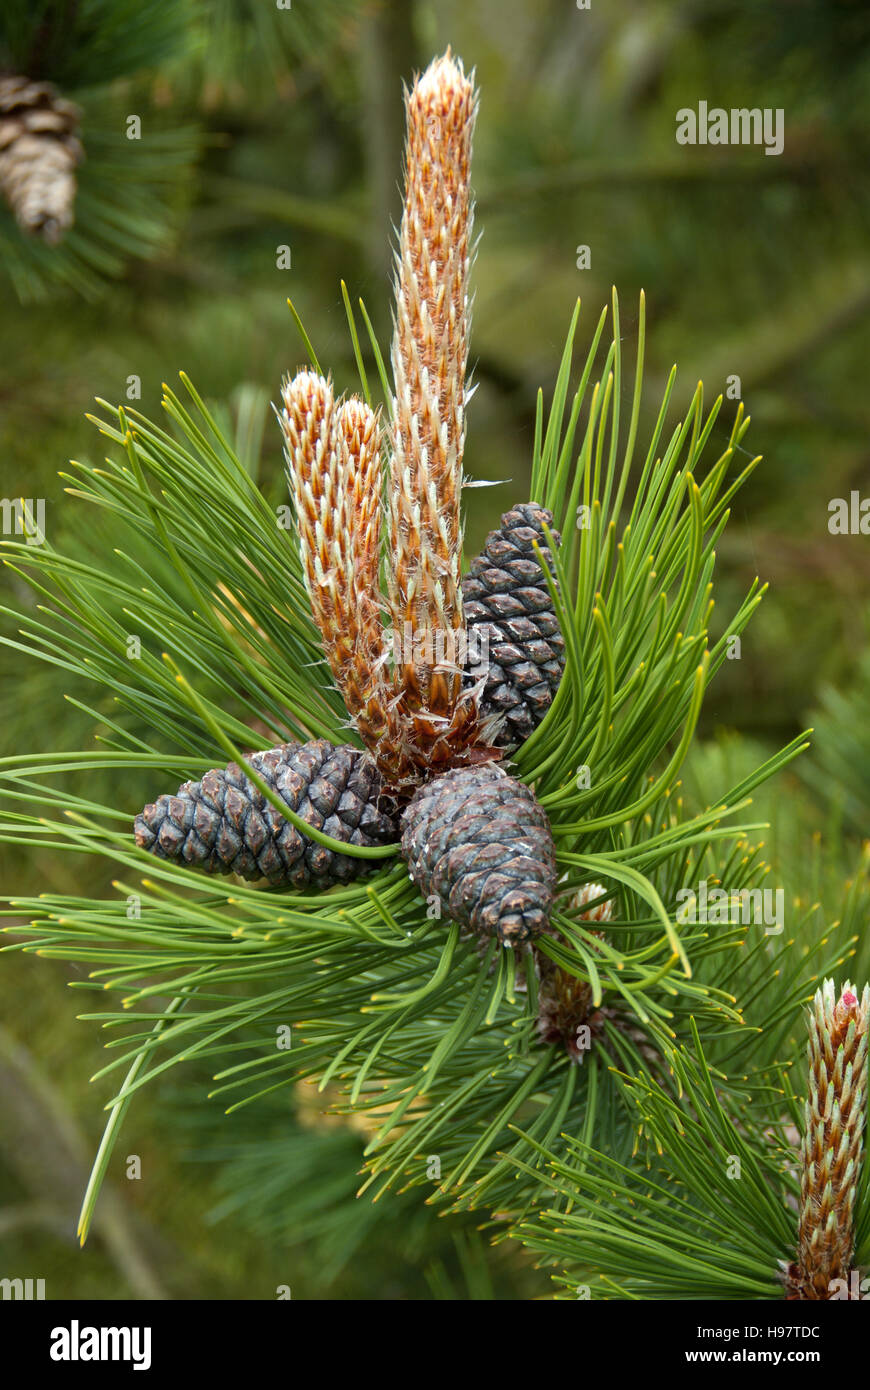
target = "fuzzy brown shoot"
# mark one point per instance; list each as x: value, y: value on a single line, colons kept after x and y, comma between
x: 429, y: 357
x: 832, y: 1143
x: 334, y: 466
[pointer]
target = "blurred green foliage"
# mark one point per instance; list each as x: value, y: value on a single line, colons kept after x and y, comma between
x: 128, y: 197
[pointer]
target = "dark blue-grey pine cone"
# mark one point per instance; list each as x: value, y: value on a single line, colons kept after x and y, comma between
x: 481, y: 842
x: 507, y: 603
x: 224, y: 825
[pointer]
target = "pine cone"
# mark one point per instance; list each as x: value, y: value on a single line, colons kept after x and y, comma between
x: 564, y: 1001
x: 480, y: 841
x: 224, y: 825
x: 508, y: 607
x: 39, y: 151
x: 832, y: 1142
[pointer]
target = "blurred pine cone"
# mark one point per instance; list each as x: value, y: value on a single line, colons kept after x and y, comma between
x: 224, y: 825
x: 39, y: 152
x: 508, y: 608
x: 481, y: 842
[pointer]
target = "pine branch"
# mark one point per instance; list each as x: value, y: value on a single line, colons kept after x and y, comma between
x: 248, y: 958
x: 436, y: 1038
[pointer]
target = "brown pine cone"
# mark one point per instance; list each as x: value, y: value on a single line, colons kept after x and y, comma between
x: 224, y: 825
x: 481, y: 842
x: 508, y: 609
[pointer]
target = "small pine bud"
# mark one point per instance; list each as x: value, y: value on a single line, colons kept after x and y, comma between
x: 564, y: 1001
